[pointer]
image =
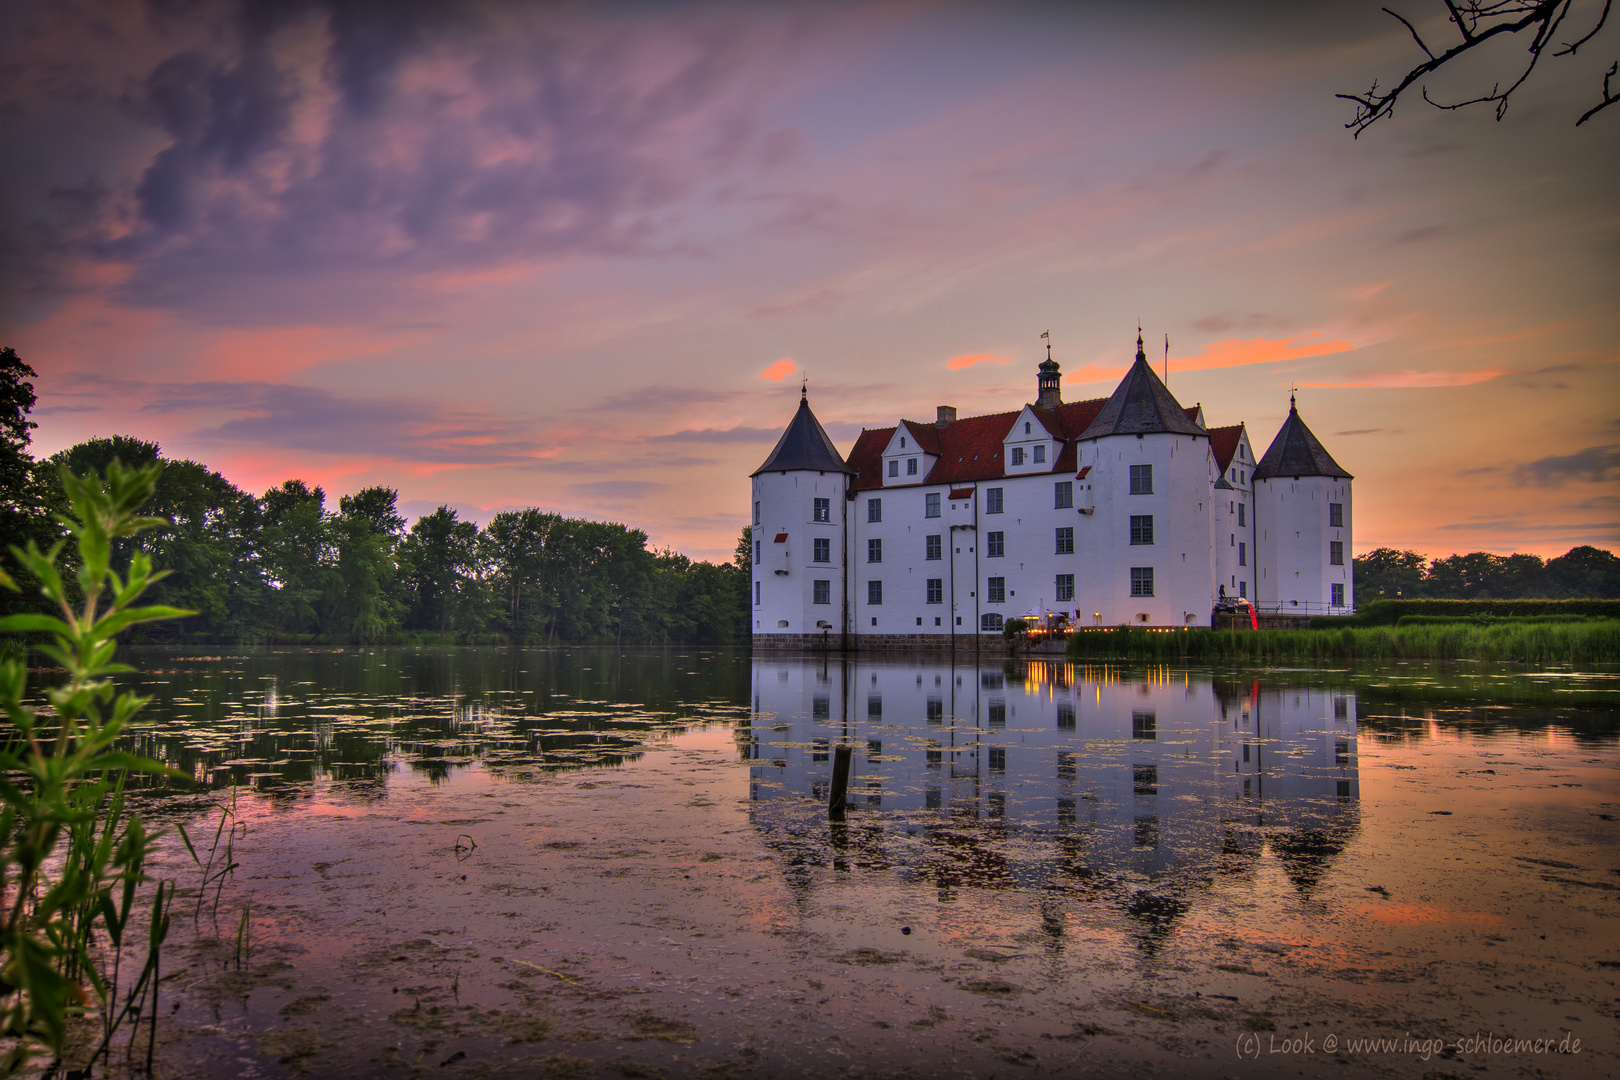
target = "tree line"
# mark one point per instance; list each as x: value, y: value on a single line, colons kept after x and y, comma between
x: 1584, y: 572
x: 284, y: 566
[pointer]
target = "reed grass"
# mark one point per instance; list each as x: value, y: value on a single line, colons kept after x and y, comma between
x: 72, y: 864
x: 1577, y: 643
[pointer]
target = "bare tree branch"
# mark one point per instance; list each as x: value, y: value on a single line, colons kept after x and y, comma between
x: 1478, y: 22
x: 1609, y: 98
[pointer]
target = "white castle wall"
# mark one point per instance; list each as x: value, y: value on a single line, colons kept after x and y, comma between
x: 784, y: 574
x: 1295, y: 539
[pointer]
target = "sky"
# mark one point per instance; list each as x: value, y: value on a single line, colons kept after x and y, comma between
x: 583, y: 257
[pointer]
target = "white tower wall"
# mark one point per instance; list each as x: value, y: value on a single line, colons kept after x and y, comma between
x: 1296, y: 537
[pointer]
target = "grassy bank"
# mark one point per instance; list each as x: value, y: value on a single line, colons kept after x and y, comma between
x: 1595, y: 642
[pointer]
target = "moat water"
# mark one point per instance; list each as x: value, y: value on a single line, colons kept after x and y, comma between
x: 617, y: 863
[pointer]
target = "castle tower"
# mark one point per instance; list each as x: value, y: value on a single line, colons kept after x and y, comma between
x: 1302, y: 516
x: 1146, y: 557
x: 1048, y: 394
x: 799, y: 587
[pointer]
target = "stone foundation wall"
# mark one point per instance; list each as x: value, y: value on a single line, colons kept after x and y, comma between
x: 984, y: 645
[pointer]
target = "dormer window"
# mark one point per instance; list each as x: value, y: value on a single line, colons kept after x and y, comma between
x: 1026, y: 427
x: 911, y: 466
x: 902, y: 442
x: 894, y: 467
x: 1040, y: 455
x: 1018, y: 455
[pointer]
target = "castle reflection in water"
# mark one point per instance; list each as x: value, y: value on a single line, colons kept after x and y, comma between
x: 1052, y: 775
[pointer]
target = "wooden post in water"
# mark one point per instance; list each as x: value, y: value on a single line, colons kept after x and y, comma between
x: 842, y: 755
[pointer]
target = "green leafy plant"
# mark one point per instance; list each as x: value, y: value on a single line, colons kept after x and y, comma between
x: 73, y: 860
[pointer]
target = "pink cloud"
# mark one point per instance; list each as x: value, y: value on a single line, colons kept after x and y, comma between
x: 957, y: 363
x: 779, y: 370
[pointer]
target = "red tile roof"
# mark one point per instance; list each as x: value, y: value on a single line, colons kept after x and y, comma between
x: 1224, y: 442
x: 969, y: 450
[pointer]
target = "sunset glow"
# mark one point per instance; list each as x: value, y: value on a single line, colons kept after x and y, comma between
x: 580, y: 257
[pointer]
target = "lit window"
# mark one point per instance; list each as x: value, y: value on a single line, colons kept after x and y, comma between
x: 1142, y: 529
x: 1065, y: 586
x: 823, y: 550
x: 931, y: 504
x: 992, y: 500
x: 823, y: 592
x: 874, y: 551
x: 1336, y: 552
x: 995, y: 545
x: 1141, y: 581
x: 1335, y: 515
x: 1065, y: 540
x: 1063, y: 495
x: 996, y: 590
x: 874, y: 509
x: 936, y: 590
x: 931, y: 547
x: 1018, y: 455
x: 911, y: 466
x: 894, y: 468
x: 874, y: 593
x: 823, y: 510
x: 1142, y: 479
x: 1040, y: 455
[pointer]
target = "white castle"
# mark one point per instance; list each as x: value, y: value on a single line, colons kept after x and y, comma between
x: 1124, y: 510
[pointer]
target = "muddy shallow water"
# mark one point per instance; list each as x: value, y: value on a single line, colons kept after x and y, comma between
x: 581, y: 863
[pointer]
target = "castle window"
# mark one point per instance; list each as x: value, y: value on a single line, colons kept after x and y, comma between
x: 1336, y: 552
x: 1338, y: 595
x: 1063, y: 495
x: 1040, y: 455
x: 1335, y: 515
x: 1145, y: 725
x: 1065, y: 716
x: 1243, y: 554
x: 1065, y: 541
x: 1141, y: 581
x: 823, y: 510
x: 936, y: 590
x: 874, y: 509
x: 874, y: 550
x: 931, y: 548
x: 756, y: 594
x: 822, y: 592
x: 1065, y: 586
x: 874, y: 594
x: 911, y: 466
x: 995, y: 545
x: 998, y: 754
x: 992, y: 500
x: 1026, y: 427
x: 931, y: 504
x: 1142, y: 529
x: 1141, y: 479
x: 996, y: 590
x: 756, y: 511
x: 1240, y: 515
x: 1018, y: 455
x: 823, y: 549
x: 990, y: 623
x: 894, y: 467
x: 759, y: 550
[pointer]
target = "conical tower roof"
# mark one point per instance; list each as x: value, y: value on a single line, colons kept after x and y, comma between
x: 804, y: 445
x: 1296, y: 452
x: 1141, y: 405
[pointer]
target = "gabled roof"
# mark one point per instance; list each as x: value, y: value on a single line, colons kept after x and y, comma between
x: 1142, y: 405
x: 804, y: 445
x: 1296, y: 452
x: 1223, y: 441
x: 926, y: 436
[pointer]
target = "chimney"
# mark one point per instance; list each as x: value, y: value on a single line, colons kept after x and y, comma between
x: 947, y: 416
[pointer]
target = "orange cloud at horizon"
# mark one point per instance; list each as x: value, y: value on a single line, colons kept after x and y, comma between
x: 779, y: 370
x: 1412, y: 380
x: 958, y: 363
x: 1240, y: 352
